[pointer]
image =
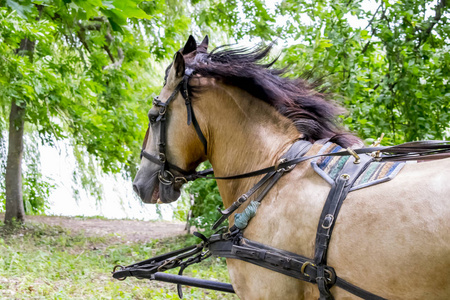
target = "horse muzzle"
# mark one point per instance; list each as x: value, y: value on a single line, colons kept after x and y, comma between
x: 156, y: 187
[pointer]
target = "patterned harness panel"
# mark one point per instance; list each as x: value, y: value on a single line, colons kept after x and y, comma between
x: 328, y: 167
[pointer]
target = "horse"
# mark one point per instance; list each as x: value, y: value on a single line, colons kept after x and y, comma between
x: 391, y: 239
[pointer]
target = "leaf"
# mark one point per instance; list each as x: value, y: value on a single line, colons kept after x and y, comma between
x: 418, y: 94
x: 115, y: 26
x: 22, y: 10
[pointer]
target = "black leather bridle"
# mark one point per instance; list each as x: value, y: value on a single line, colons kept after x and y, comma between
x: 166, y: 173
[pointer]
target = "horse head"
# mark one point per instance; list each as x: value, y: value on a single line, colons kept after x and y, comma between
x: 172, y: 148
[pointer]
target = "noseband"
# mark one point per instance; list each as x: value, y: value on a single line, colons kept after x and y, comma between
x: 166, y: 175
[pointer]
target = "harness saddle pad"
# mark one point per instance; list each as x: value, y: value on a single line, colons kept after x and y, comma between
x: 328, y: 167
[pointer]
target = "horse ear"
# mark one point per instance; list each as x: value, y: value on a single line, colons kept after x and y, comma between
x: 203, y: 47
x: 191, y: 45
x: 178, y: 66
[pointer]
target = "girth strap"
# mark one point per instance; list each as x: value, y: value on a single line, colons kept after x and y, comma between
x: 336, y: 196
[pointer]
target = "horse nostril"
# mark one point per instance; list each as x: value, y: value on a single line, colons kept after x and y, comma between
x: 136, y: 189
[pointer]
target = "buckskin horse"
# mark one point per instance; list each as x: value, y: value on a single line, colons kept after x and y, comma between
x: 391, y: 239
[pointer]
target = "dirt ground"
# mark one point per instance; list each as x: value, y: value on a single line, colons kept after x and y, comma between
x: 125, y: 230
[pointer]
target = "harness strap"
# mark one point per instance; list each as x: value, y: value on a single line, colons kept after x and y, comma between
x: 421, y: 151
x: 333, y: 203
x: 298, y: 149
x: 339, y: 191
x: 190, y: 111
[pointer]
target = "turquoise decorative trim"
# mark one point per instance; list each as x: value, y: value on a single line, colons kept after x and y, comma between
x: 241, y: 220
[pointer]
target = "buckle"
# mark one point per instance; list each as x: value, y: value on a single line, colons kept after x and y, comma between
x: 305, y: 264
x: 286, y: 169
x: 162, y: 110
x: 327, y: 221
x: 331, y: 275
x: 242, y: 198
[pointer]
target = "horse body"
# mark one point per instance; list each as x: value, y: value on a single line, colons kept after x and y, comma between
x: 390, y: 239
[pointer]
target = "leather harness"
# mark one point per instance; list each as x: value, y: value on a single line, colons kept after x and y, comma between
x: 232, y: 244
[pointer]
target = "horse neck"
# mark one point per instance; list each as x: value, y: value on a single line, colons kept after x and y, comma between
x: 245, y: 134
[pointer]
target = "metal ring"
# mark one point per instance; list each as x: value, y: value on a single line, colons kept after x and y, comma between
x: 182, y: 180
x: 121, y: 268
x: 164, y: 180
x: 242, y: 198
x: 331, y: 274
x: 162, y: 110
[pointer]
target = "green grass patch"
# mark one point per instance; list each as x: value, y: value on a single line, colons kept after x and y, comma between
x: 48, y: 262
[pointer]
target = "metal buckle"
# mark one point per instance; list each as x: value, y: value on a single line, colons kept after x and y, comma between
x: 331, y: 218
x: 162, y: 157
x: 286, y: 169
x: 161, y: 268
x: 164, y: 180
x: 331, y: 275
x: 162, y: 109
x: 305, y: 264
x: 242, y: 198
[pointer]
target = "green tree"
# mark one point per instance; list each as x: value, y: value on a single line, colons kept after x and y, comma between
x: 69, y: 69
x: 82, y: 70
x: 390, y: 62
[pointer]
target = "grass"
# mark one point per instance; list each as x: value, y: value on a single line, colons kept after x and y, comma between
x: 48, y: 262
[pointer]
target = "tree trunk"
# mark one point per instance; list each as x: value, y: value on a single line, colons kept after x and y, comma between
x: 13, y: 184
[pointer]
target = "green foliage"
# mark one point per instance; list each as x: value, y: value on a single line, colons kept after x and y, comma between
x: 79, y: 267
x: 390, y: 64
x: 206, y: 201
x: 81, y: 80
x: 36, y: 189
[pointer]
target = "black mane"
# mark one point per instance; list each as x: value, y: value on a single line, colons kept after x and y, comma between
x: 312, y: 114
